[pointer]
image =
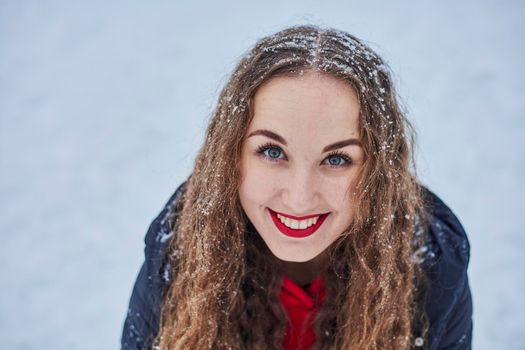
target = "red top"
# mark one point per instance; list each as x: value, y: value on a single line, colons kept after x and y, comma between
x: 301, y: 306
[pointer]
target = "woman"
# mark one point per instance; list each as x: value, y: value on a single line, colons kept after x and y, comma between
x: 303, y: 225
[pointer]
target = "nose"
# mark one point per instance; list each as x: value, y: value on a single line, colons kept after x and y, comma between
x: 300, y: 195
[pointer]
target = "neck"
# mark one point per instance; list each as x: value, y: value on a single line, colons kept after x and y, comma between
x: 303, y: 273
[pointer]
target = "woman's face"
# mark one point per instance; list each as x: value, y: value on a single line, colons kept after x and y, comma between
x: 300, y: 160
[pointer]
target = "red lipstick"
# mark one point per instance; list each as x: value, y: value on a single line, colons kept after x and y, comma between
x: 297, y: 233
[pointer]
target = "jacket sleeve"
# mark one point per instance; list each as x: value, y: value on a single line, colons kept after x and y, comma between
x: 141, y: 324
x: 449, y: 304
x: 458, y: 331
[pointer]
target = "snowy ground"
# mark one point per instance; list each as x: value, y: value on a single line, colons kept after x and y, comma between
x: 104, y: 104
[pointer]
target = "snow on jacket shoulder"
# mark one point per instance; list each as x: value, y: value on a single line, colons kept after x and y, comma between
x: 445, y: 258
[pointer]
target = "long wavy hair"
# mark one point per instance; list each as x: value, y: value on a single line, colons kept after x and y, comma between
x: 225, y: 281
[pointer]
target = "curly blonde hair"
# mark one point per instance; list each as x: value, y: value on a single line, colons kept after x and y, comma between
x: 225, y: 285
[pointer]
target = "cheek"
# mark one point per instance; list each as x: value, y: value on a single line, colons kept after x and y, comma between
x: 342, y: 198
x: 257, y: 183
x: 340, y: 190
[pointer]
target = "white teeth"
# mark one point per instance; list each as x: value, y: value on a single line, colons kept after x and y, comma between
x: 297, y: 224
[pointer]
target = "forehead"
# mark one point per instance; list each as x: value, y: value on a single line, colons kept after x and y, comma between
x: 314, y: 104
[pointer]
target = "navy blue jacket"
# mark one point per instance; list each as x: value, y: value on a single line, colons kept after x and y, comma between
x: 445, y: 261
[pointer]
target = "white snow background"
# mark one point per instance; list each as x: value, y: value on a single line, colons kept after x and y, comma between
x: 103, y: 106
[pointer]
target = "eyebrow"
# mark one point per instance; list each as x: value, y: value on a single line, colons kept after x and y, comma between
x: 331, y: 147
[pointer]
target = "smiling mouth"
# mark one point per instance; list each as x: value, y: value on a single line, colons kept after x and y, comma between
x: 297, y: 228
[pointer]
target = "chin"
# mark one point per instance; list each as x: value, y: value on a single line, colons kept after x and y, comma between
x: 294, y: 257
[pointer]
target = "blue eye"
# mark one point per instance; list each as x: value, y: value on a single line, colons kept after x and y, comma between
x: 271, y: 151
x: 338, y: 159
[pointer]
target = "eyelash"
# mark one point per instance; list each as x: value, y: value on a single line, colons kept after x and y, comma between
x: 267, y: 146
